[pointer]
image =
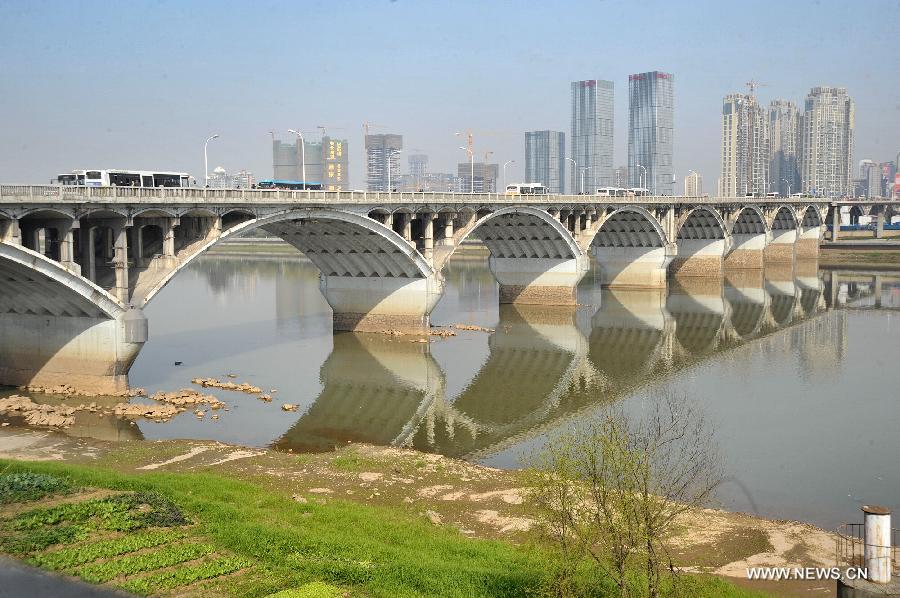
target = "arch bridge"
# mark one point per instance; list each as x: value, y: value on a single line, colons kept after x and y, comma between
x: 78, y: 264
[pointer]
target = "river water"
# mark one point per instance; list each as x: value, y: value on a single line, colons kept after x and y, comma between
x: 796, y: 370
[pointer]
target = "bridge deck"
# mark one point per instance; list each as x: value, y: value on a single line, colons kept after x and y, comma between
x: 13, y: 194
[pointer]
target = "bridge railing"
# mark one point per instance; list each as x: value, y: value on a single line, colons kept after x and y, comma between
x: 78, y: 194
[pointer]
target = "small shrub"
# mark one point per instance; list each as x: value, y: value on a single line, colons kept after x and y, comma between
x: 42, y: 538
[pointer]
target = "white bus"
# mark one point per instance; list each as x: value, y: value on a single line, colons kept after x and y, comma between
x: 125, y: 178
x: 612, y: 191
x: 637, y: 192
x: 526, y: 189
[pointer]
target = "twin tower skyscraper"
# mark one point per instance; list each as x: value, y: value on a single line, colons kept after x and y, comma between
x: 650, y: 134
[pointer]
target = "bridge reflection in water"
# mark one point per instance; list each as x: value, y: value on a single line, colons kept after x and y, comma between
x: 548, y: 365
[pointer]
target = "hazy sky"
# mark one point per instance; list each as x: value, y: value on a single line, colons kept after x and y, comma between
x: 142, y: 84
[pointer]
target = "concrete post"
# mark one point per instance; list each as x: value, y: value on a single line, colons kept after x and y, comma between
x: 10, y: 232
x: 169, y: 237
x: 389, y: 221
x: 428, y: 234
x: 407, y: 229
x: 835, y: 223
x: 448, y: 229
x: 564, y: 218
x: 88, y: 256
x: 66, y: 232
x: 120, y: 262
x: 879, y: 226
x: 108, y: 243
x: 877, y: 538
x: 137, y: 245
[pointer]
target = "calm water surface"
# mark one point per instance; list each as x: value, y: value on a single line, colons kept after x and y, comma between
x: 797, y: 371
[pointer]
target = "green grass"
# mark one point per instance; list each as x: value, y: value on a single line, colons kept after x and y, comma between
x: 364, y: 549
x: 355, y: 463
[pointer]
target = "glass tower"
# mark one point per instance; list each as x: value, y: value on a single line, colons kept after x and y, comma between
x: 650, y: 132
x: 592, y: 134
x: 545, y: 159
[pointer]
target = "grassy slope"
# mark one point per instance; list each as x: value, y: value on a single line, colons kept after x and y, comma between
x: 368, y: 550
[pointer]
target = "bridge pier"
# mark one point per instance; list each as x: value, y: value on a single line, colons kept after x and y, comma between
x: 120, y: 262
x: 747, y: 252
x: 634, y: 267
x: 781, y: 249
x: 807, y: 246
x: 10, y: 232
x: 88, y: 253
x: 381, y: 304
x: 539, y: 281
x: 91, y: 354
x: 699, y: 257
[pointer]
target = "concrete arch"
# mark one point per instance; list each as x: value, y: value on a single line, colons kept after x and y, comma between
x: 785, y: 218
x: 48, y: 213
x: 391, y: 256
x: 197, y: 212
x: 154, y: 212
x: 103, y: 212
x: 701, y: 223
x: 521, y: 232
x: 750, y: 220
x: 812, y: 217
x: 35, y: 284
x: 630, y: 226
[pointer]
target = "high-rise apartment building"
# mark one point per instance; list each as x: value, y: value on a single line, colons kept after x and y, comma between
x: 784, y: 147
x: 591, y: 139
x: 327, y: 162
x: 383, y: 161
x: 545, y: 159
x: 651, y: 131
x: 745, y: 147
x: 693, y: 185
x: 620, y: 176
x: 827, y: 142
x: 485, y: 177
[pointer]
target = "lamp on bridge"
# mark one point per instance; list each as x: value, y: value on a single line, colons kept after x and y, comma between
x: 206, y: 160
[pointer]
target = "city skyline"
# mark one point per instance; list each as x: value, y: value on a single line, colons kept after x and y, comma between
x: 163, y: 127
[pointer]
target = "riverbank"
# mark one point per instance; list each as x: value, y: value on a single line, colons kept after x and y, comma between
x: 370, y: 511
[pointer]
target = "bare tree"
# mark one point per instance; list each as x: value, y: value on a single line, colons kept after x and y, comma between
x: 609, y: 490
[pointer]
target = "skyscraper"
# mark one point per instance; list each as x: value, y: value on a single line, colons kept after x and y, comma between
x: 651, y: 131
x: 620, y: 176
x: 827, y: 142
x: 745, y: 147
x: 592, y: 133
x: 382, y: 157
x: 693, y: 185
x: 545, y: 159
x: 335, y: 164
x: 784, y: 141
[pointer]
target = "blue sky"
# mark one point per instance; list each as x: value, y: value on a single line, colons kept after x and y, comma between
x: 142, y: 84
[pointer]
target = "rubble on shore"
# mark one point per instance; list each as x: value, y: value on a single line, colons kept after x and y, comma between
x: 67, y: 390
x: 38, y: 414
x: 160, y: 413
x: 473, y: 327
x: 235, y: 386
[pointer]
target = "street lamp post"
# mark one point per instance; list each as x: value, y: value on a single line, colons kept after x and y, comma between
x: 574, y: 168
x: 583, y: 170
x: 206, y: 161
x: 642, y: 181
x: 472, y: 168
x: 390, y: 156
x: 505, y: 164
x: 302, y: 154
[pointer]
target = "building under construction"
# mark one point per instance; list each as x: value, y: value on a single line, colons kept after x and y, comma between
x: 382, y: 161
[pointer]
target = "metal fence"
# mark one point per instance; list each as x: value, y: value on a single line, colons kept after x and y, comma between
x: 851, y: 546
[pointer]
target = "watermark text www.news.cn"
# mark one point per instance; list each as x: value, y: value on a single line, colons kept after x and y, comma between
x: 806, y: 573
